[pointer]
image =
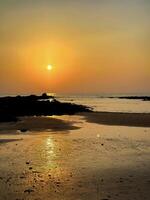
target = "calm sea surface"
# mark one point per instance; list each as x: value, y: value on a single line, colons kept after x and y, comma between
x: 108, y: 104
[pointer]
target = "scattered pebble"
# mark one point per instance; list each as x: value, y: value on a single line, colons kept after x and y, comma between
x: 8, y: 180
x: 22, y: 176
x: 28, y: 191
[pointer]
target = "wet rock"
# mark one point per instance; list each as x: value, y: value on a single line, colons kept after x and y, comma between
x: 35, y: 180
x: 22, y: 177
x: 8, y: 179
x: 30, y: 168
x: 23, y: 130
x: 121, y: 180
x: 58, y: 183
x: 79, y: 185
x: 14, y: 107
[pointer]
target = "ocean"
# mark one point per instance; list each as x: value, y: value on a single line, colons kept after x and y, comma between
x: 105, y: 104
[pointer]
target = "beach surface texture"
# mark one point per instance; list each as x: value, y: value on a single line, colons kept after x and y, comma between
x: 87, y: 155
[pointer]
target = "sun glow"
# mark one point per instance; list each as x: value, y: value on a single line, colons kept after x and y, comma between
x: 49, y: 67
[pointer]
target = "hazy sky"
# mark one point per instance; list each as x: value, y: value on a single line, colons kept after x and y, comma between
x: 95, y: 46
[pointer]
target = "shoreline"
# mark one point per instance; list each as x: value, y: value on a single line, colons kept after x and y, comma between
x: 29, y: 124
x: 119, y: 118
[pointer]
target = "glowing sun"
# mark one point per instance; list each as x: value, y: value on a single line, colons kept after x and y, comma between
x: 49, y: 67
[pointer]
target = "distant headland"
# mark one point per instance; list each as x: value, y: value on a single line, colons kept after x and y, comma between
x: 143, y: 98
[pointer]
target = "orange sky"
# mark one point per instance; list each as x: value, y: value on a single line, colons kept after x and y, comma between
x: 94, y: 46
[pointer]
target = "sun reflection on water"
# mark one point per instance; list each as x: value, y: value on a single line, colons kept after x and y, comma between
x: 55, y: 157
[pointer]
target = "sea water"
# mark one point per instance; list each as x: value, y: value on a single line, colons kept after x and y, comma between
x: 105, y: 104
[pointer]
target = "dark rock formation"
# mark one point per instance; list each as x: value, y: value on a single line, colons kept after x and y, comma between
x: 13, y: 107
x: 143, y: 98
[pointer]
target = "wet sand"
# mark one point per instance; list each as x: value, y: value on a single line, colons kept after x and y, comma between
x: 74, y: 158
x: 120, y: 119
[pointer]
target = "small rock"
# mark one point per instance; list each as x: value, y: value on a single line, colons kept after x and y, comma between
x: 28, y: 191
x: 8, y: 179
x: 23, y: 130
x: 30, y: 168
x: 79, y: 185
x: 22, y: 176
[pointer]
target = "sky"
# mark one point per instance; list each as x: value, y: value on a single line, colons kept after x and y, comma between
x: 94, y: 46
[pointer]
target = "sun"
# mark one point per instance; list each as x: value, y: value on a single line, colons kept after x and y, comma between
x: 49, y: 67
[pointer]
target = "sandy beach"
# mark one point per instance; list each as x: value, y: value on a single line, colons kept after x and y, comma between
x: 74, y: 100
x: 75, y: 158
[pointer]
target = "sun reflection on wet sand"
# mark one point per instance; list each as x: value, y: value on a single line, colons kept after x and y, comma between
x: 50, y: 146
x: 50, y: 152
x: 56, y: 156
x: 83, y: 165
